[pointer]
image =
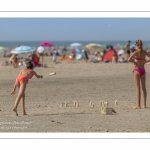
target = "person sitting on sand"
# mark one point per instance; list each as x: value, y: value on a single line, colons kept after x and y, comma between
x: 21, y: 82
x: 13, y: 60
x: 35, y: 59
x: 138, y: 59
x: 121, y: 59
x: 97, y: 58
x: 114, y: 57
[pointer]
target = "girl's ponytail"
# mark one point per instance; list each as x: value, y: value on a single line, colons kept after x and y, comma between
x: 139, y: 44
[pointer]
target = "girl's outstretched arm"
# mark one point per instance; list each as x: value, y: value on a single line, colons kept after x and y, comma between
x: 38, y: 76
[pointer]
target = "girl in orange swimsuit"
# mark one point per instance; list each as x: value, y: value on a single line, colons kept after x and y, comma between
x: 24, y: 77
x: 138, y: 58
x: 21, y: 81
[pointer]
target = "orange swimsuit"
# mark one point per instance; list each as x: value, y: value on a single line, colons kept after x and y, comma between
x: 20, y: 77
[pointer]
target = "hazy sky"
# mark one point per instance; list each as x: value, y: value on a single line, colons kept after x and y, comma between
x: 74, y: 29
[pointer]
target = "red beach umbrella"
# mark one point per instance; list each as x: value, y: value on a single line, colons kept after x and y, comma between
x: 46, y: 43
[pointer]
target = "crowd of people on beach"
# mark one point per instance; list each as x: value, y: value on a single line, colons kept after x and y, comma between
x: 109, y: 54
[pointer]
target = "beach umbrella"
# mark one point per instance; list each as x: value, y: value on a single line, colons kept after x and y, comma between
x: 121, y: 51
x: 95, y: 47
x: 46, y: 44
x: 22, y: 49
x: 1, y: 48
x: 75, y: 44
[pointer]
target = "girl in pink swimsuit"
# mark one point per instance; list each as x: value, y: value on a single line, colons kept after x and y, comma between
x: 138, y: 59
x: 21, y: 81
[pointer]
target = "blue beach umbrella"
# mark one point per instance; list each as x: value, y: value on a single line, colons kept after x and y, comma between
x: 76, y: 44
x: 22, y: 49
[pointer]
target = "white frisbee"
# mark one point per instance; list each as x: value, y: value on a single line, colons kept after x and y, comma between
x: 52, y: 73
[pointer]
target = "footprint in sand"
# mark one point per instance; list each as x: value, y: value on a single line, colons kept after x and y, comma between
x: 59, y: 122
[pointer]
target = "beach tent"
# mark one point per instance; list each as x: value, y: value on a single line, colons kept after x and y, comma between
x: 108, y: 55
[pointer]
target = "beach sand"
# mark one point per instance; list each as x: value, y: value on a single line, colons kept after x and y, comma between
x: 74, y: 81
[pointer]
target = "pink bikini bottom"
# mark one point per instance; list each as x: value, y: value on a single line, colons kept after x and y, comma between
x: 141, y: 71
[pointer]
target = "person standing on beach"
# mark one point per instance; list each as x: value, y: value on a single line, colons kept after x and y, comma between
x: 128, y: 49
x: 85, y: 55
x: 54, y: 55
x: 64, y: 51
x: 138, y: 59
x: 21, y: 82
x: 40, y: 51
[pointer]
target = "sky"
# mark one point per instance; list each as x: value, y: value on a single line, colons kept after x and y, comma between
x: 69, y: 29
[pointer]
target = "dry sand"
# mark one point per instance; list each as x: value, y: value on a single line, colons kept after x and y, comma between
x: 74, y: 81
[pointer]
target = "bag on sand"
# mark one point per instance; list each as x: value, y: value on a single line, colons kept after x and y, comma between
x: 107, y: 111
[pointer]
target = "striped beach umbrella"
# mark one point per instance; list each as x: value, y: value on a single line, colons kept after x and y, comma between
x: 22, y: 49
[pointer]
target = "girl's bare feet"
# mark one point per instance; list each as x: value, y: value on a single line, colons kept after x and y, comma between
x: 15, y: 110
x: 137, y: 107
x: 24, y: 114
x: 144, y: 106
